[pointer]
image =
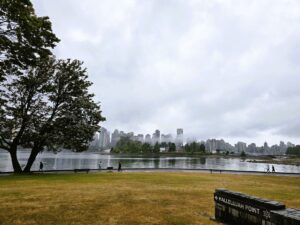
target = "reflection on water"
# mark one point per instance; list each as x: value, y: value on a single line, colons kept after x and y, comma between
x: 70, y: 160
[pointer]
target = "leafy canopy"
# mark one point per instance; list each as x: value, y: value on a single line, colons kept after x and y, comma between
x: 24, y: 37
x: 44, y: 102
x: 49, y: 108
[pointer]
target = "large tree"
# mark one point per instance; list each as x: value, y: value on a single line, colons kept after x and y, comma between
x: 48, y: 107
x: 24, y: 37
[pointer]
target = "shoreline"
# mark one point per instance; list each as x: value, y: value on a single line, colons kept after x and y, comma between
x: 271, y: 159
x: 156, y: 170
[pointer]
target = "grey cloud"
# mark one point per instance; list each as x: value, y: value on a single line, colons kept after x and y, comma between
x: 216, y: 68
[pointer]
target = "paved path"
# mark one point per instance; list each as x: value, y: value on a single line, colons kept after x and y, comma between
x: 212, y: 171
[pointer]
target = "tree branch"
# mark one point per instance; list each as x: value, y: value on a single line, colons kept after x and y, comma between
x: 3, y: 144
x: 24, y: 117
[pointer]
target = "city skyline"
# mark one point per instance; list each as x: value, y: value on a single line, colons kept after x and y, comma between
x: 211, y: 145
x: 221, y: 69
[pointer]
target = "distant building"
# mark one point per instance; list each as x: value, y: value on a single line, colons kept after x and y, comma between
x: 130, y: 135
x: 166, y: 138
x: 104, y: 138
x: 163, y: 149
x: 179, y: 137
x: 252, y: 148
x: 115, y: 137
x: 148, y: 138
x: 266, y: 147
x: 156, y: 137
x: 211, y: 145
x: 241, y: 146
x: 94, y: 144
x: 289, y: 144
x: 140, y: 137
x: 283, y: 147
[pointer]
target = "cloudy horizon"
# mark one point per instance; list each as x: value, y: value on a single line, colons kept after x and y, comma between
x: 217, y: 69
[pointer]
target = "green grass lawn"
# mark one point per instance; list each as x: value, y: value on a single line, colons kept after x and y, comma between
x: 130, y: 198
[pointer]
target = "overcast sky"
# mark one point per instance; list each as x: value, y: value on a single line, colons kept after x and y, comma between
x: 217, y: 69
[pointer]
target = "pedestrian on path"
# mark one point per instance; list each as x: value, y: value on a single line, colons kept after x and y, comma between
x: 268, y: 168
x: 41, y: 166
x: 273, y: 169
x: 120, y: 166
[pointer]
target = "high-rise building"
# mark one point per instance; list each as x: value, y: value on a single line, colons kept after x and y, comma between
x: 166, y: 138
x: 148, y: 138
x: 140, y: 137
x: 241, y: 146
x: 179, y: 132
x: 94, y: 144
x: 104, y: 138
x: 289, y: 144
x: 252, y: 148
x: 156, y: 136
x: 130, y: 134
x: 115, y: 137
x: 211, y: 145
x: 179, y: 137
x: 283, y: 147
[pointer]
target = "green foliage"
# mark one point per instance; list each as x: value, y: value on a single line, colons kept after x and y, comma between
x: 126, y: 145
x: 164, y: 144
x: 172, y: 147
x: 49, y: 108
x: 147, y: 148
x: 156, y: 148
x: 293, y: 150
x: 243, y: 154
x: 194, y: 147
x: 44, y: 102
x: 24, y: 37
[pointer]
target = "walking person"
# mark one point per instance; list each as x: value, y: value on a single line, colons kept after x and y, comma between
x: 99, y: 165
x: 120, y: 166
x: 273, y: 169
x: 41, y: 166
x: 268, y: 168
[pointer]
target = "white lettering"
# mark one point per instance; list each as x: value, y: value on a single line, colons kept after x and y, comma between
x: 239, y: 205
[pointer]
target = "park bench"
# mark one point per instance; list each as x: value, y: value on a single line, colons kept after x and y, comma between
x: 81, y: 170
x: 110, y: 168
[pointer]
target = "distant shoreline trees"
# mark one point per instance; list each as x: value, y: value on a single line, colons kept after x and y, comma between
x: 194, y: 147
x: 127, y: 145
x: 293, y: 150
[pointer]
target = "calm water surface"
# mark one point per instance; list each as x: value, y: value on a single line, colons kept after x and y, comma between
x: 70, y: 160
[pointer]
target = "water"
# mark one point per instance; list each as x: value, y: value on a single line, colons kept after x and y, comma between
x: 71, y: 160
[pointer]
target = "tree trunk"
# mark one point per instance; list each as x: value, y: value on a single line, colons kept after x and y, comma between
x: 15, y: 162
x: 31, y: 159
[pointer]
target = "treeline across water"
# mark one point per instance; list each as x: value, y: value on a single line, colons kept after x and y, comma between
x: 293, y: 150
x: 127, y: 145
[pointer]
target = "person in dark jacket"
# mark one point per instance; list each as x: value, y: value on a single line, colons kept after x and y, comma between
x: 41, y: 166
x: 120, y: 166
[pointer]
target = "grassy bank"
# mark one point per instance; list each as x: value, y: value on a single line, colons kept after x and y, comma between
x: 129, y: 198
